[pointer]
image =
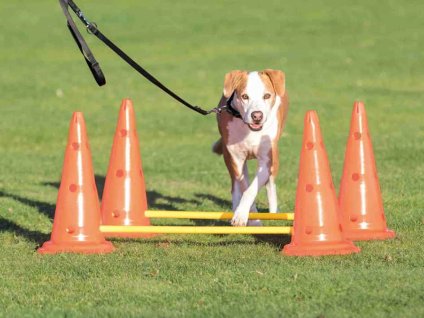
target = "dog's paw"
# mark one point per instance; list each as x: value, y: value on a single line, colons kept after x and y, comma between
x: 254, y: 223
x: 239, y: 219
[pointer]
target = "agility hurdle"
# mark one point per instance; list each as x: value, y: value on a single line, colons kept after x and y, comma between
x: 174, y: 229
x: 196, y: 229
x: 215, y: 215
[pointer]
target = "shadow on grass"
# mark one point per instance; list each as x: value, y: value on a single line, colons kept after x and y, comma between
x: 272, y: 239
x: 223, y: 204
x: 278, y: 241
x: 33, y: 236
x: 159, y: 201
x: 164, y: 241
x: 155, y: 200
x: 42, y: 207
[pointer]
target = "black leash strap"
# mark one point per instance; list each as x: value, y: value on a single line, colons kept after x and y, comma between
x: 97, y: 71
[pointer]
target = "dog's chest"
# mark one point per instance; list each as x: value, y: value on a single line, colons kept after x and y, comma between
x: 250, y: 144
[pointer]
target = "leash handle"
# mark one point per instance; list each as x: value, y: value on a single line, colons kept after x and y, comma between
x: 91, y: 61
x: 97, y: 71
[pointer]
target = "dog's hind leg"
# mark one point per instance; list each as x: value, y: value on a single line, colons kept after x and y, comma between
x: 217, y: 147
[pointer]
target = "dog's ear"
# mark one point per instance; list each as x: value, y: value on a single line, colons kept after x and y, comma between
x: 278, y: 80
x: 232, y: 81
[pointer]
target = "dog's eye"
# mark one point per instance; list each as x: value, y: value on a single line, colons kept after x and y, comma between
x: 267, y: 96
x: 245, y: 97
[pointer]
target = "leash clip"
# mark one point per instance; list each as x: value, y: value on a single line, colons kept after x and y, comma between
x: 91, y: 28
x: 227, y: 107
x: 217, y: 110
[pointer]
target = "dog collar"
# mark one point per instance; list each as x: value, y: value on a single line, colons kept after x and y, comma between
x: 230, y: 107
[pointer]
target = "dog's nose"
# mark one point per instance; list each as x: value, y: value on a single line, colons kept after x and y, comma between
x: 257, y: 116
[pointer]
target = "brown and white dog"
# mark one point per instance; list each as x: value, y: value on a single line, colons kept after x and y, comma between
x: 262, y: 101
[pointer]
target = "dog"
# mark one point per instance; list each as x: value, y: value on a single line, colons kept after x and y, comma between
x: 262, y: 101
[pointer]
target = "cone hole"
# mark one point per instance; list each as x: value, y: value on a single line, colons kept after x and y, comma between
x: 357, y: 135
x: 353, y: 218
x: 383, y: 216
x: 76, y: 145
x: 123, y: 132
x: 141, y: 173
x: 120, y: 173
x: 308, y: 230
x: 331, y: 185
x: 73, y: 187
x: 309, y: 145
x: 116, y: 213
x: 355, y: 176
x: 340, y: 228
x: 309, y: 188
x: 70, y: 230
x: 87, y: 145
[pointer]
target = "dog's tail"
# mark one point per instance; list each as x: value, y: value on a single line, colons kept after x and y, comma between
x: 217, y: 147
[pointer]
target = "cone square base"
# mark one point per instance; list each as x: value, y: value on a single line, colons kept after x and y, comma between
x: 51, y: 247
x: 368, y: 235
x: 128, y: 235
x: 318, y: 249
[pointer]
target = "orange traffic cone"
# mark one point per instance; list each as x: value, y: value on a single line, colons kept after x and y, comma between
x: 360, y: 200
x: 77, y: 217
x: 317, y: 229
x: 124, y: 197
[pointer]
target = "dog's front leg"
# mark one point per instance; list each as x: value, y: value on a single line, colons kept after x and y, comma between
x: 241, y: 214
x: 271, y: 191
x: 240, y: 184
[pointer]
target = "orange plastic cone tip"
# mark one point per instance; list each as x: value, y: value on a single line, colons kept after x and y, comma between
x: 77, y: 217
x: 316, y: 229
x: 124, y: 199
x: 360, y: 199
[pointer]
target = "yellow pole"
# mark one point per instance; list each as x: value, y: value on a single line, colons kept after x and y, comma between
x: 216, y: 215
x: 197, y: 229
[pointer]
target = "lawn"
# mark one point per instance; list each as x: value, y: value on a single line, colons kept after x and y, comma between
x: 333, y: 52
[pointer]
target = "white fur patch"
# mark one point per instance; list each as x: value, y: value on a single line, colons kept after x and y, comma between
x: 255, y: 89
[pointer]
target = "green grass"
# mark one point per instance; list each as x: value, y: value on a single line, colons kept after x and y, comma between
x: 333, y: 52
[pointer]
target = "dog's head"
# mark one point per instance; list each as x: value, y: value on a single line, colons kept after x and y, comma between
x: 256, y: 93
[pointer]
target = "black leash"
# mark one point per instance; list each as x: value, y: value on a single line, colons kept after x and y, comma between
x: 97, y: 71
